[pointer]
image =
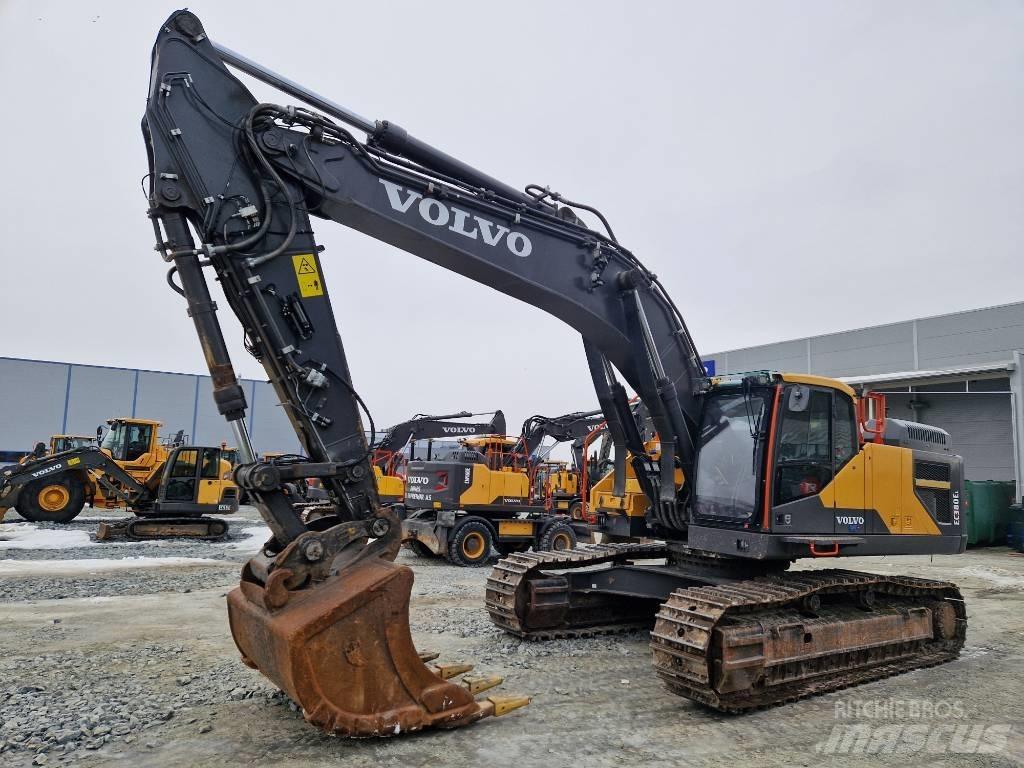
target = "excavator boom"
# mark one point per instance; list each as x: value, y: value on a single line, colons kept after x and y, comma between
x: 245, y: 178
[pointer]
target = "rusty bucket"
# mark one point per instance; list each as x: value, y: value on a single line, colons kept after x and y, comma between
x: 343, y: 651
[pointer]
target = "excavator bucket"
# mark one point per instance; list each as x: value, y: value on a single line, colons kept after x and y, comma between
x: 343, y: 652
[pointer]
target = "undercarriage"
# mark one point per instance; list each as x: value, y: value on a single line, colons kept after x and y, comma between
x: 728, y: 633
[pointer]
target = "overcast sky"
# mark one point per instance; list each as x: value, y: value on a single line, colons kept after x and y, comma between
x: 787, y: 168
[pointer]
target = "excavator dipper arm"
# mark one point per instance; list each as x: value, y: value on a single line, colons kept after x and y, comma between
x: 323, y: 610
x: 423, y: 427
x: 562, y: 429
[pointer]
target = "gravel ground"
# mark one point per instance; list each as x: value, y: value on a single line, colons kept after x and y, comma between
x: 114, y: 667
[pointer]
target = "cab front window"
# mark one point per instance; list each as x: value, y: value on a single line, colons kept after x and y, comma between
x: 730, y: 454
x: 127, y: 442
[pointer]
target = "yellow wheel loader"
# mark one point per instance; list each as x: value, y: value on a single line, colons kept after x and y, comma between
x: 58, y: 444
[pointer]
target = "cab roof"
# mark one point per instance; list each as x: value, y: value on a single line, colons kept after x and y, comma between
x: 485, y: 440
x: 735, y: 379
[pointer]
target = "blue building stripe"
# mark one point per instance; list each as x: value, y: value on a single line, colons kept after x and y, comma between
x: 135, y: 392
x: 67, y: 402
x: 252, y: 408
x: 195, y: 412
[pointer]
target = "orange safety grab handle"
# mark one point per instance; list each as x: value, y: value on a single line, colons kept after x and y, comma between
x: 876, y: 433
x: 834, y: 552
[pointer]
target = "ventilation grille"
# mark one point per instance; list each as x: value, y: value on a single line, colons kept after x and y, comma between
x: 925, y: 435
x: 936, y: 501
x: 931, y: 470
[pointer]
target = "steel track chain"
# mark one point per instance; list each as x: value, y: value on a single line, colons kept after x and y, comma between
x: 505, y: 583
x: 682, y: 638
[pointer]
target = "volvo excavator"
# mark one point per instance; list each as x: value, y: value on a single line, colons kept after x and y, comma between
x: 388, y: 452
x: 752, y: 472
x: 557, y: 484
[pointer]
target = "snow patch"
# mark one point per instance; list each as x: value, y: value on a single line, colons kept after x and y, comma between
x: 28, y: 536
x: 98, y: 565
x: 255, y: 537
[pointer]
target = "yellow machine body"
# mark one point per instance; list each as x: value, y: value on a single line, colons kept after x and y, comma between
x: 135, y: 446
x: 390, y: 488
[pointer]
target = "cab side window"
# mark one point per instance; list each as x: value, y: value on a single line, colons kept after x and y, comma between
x: 805, y: 433
x: 138, y: 441
x: 844, y: 430
x: 211, y: 464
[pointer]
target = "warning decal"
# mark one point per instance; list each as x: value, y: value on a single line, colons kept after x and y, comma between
x: 308, y: 275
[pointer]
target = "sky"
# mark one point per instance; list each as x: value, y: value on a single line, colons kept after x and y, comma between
x: 786, y: 168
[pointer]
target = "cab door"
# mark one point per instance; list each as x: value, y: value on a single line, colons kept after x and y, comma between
x: 194, y: 481
x: 180, y: 484
x: 819, y: 470
x: 803, y: 459
x: 211, y: 476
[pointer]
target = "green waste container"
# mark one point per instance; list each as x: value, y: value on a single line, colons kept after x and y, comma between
x: 987, y: 515
x: 1015, y: 538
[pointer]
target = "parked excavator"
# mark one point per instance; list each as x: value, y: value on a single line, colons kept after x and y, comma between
x: 388, y: 456
x: 751, y: 472
x: 558, y: 484
x: 483, y: 495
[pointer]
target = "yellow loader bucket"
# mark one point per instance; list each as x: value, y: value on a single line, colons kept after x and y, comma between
x: 343, y: 651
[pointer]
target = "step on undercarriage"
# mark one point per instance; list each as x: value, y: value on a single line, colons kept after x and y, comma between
x: 730, y: 634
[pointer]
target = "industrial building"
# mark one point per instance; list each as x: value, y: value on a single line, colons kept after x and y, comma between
x: 959, y: 371
x: 42, y: 398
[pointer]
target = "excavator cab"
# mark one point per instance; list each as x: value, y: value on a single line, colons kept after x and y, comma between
x: 197, y: 481
x: 792, y: 466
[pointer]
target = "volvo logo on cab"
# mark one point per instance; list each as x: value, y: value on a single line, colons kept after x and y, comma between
x: 417, y: 480
x: 460, y: 222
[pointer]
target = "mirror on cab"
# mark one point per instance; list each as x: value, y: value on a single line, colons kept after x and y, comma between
x: 799, y: 397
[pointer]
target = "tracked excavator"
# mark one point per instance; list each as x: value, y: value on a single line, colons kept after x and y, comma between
x: 562, y: 485
x: 387, y: 454
x: 483, y: 495
x: 776, y: 467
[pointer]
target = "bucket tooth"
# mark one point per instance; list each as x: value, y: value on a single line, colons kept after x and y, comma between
x: 448, y: 671
x: 478, y: 683
x: 426, y: 656
x: 502, y: 705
